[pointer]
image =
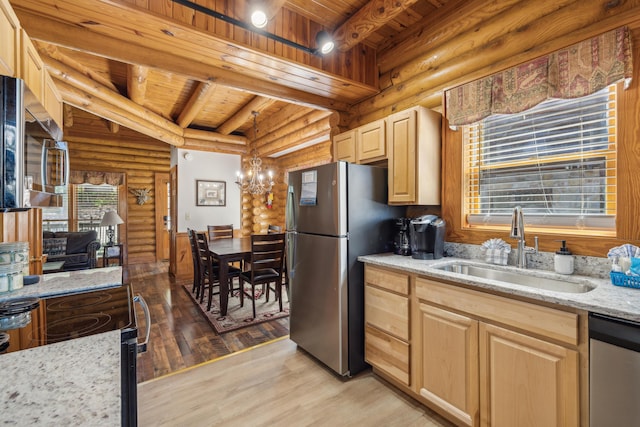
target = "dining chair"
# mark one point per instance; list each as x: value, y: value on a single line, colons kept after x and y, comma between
x: 212, y: 267
x: 267, y: 262
x: 196, y: 264
x: 220, y: 231
x: 273, y: 229
x: 208, y: 269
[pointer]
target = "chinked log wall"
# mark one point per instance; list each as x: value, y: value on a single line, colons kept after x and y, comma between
x: 464, y: 41
x: 92, y: 146
x: 291, y: 126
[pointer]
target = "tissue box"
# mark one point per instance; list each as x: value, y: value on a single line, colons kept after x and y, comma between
x: 496, y: 256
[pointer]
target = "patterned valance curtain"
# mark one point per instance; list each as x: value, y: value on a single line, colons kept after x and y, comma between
x: 96, y: 178
x: 572, y: 72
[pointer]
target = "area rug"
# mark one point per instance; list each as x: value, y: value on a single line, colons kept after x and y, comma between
x: 239, y: 317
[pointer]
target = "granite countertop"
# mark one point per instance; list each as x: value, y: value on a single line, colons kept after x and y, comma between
x: 69, y: 282
x: 604, y: 299
x: 72, y: 383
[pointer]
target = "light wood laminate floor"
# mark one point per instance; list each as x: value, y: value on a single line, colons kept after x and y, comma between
x: 275, y: 384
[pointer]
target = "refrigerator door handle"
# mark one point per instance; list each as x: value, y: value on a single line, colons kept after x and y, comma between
x: 290, y: 215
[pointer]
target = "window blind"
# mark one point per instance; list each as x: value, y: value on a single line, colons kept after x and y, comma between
x: 556, y: 160
x: 91, y: 203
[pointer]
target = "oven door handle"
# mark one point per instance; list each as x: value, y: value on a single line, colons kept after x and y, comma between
x: 142, y: 347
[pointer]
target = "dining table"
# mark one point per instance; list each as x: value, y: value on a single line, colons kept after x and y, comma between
x: 227, y: 251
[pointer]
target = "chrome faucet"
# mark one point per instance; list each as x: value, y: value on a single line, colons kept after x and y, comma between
x: 517, y: 232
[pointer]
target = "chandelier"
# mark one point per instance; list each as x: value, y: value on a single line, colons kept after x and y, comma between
x: 253, y: 181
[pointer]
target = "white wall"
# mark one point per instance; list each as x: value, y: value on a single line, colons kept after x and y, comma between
x: 202, y: 165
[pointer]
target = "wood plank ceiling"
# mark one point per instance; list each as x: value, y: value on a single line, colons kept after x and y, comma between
x: 189, y: 79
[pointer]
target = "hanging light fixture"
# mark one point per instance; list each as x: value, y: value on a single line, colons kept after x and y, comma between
x: 253, y: 181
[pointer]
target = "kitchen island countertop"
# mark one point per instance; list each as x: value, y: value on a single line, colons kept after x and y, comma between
x: 68, y: 282
x: 605, y: 299
x: 71, y: 383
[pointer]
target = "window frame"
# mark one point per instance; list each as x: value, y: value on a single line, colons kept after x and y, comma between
x: 472, y: 167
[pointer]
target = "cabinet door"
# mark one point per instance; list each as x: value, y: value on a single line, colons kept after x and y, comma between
x: 371, y: 143
x: 402, y: 157
x: 449, y: 365
x: 525, y: 381
x: 344, y: 147
x: 32, y: 68
x: 52, y: 100
x: 9, y: 36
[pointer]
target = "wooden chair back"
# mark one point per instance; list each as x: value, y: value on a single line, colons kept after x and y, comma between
x: 220, y: 231
x: 273, y: 229
x: 267, y: 256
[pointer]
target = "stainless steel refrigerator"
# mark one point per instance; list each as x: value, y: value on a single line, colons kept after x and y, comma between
x: 335, y: 213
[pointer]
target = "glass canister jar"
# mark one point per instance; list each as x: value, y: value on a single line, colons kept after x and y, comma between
x: 11, y: 277
x: 15, y: 253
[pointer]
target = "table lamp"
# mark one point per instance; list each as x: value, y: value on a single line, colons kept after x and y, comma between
x: 110, y: 220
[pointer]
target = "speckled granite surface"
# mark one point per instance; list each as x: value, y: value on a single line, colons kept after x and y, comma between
x: 69, y: 282
x: 72, y: 383
x: 605, y: 298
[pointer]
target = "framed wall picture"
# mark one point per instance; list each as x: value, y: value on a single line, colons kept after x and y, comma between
x: 211, y: 193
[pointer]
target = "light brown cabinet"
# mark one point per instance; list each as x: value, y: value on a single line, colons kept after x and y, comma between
x: 492, y: 361
x: 32, y: 68
x: 9, y: 40
x: 477, y: 358
x: 344, y: 147
x: 413, y: 139
x: 386, y: 314
x: 371, y: 142
x: 448, y: 372
x: 52, y: 100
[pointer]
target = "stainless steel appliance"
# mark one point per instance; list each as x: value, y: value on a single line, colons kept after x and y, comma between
x: 335, y: 213
x: 79, y: 315
x: 402, y: 243
x: 614, y: 371
x: 33, y: 162
x: 427, y: 237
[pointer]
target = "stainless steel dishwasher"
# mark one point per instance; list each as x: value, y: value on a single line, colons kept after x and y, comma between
x: 614, y: 372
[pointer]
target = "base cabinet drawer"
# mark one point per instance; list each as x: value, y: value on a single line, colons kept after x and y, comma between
x: 389, y: 354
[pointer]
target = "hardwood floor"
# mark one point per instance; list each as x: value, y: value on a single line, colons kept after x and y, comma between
x: 275, y: 385
x: 180, y: 335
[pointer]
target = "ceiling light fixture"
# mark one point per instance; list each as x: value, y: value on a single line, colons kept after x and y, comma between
x: 324, y: 42
x: 253, y: 181
x: 259, y: 18
x: 318, y: 51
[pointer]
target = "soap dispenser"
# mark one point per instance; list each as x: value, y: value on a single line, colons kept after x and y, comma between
x: 563, y: 260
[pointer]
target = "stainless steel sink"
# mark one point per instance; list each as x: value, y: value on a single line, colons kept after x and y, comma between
x: 518, y: 278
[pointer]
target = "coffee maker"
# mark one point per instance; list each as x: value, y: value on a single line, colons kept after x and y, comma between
x: 401, y: 241
x: 427, y: 237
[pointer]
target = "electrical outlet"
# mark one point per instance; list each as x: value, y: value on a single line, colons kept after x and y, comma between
x: 187, y: 216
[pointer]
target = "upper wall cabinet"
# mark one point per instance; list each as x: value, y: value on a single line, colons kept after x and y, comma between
x: 413, y: 138
x: 371, y: 143
x: 32, y: 68
x: 52, y: 99
x: 344, y: 147
x: 9, y: 41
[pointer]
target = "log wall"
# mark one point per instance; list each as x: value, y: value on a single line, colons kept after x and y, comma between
x: 486, y: 40
x: 92, y: 146
x: 469, y: 40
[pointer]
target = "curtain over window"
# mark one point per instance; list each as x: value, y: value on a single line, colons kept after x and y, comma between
x: 572, y: 72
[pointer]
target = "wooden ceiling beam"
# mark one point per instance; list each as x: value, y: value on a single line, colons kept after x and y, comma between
x: 52, y: 51
x: 137, y: 83
x: 371, y: 17
x: 196, y: 103
x: 209, y: 141
x: 302, y: 133
x: 258, y: 104
x: 179, y: 49
x: 87, y: 102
